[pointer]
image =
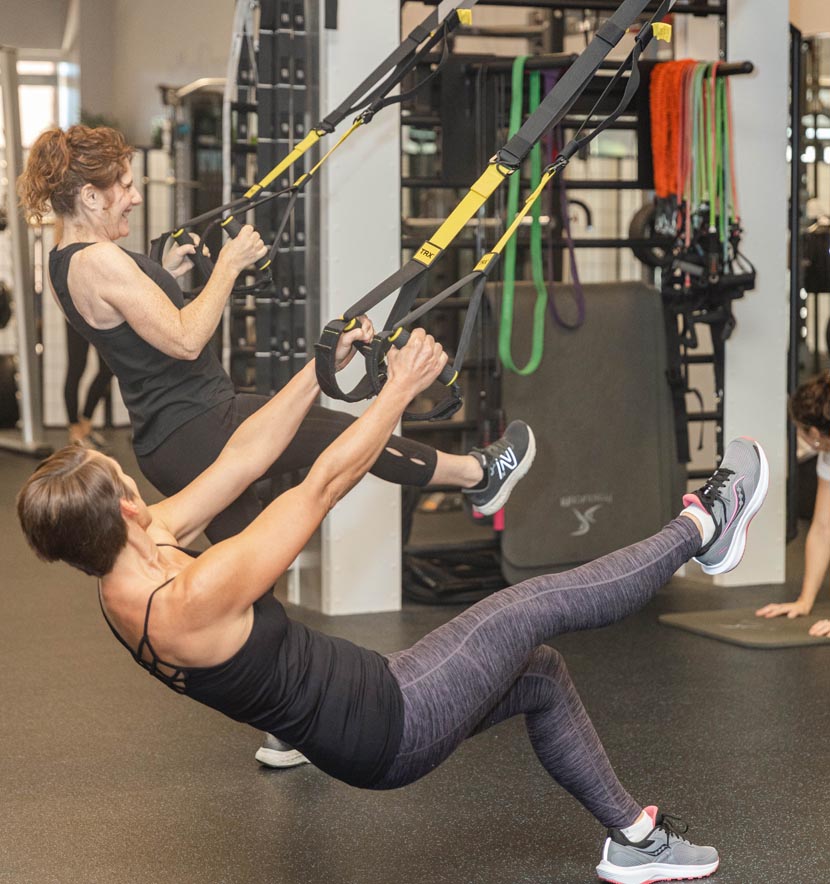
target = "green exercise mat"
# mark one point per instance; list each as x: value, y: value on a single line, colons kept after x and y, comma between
x: 740, y: 626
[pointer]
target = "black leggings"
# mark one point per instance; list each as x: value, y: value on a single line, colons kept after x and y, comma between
x: 193, y: 447
x: 488, y: 664
x: 77, y: 349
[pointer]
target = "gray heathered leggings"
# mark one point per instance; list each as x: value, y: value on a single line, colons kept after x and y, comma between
x: 487, y: 665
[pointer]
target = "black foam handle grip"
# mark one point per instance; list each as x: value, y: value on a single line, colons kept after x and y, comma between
x: 183, y: 237
x: 448, y: 376
x: 231, y: 226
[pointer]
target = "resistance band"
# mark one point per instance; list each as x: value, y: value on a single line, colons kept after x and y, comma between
x: 408, y: 281
x: 508, y: 291
x: 537, y: 268
x: 693, y: 147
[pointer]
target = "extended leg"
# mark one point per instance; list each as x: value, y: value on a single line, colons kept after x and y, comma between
x: 453, y: 677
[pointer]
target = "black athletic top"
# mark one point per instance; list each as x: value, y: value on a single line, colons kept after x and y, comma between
x: 334, y: 701
x: 161, y: 392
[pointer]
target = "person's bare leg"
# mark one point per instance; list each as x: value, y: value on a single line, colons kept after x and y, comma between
x: 460, y: 470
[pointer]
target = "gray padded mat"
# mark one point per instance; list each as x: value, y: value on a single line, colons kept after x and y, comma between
x: 740, y: 626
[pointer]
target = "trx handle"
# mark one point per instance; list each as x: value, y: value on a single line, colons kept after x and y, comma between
x: 233, y: 227
x: 325, y: 364
x: 400, y: 338
x: 372, y: 382
x: 182, y: 237
x: 375, y: 361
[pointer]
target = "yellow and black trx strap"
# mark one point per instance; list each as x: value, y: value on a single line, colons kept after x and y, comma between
x: 367, y: 99
x: 408, y: 281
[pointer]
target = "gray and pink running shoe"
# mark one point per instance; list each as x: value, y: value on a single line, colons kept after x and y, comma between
x: 731, y: 496
x: 663, y: 855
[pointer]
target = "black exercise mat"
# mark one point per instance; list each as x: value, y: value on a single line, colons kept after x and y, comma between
x: 740, y: 626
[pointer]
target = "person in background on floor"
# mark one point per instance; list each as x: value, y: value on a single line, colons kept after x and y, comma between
x: 809, y: 409
x: 182, y: 404
x: 80, y: 426
x: 208, y: 626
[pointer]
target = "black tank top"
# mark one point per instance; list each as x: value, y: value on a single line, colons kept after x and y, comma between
x: 334, y: 701
x: 161, y: 392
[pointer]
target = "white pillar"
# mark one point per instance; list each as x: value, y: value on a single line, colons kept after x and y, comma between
x: 360, y: 556
x: 756, y: 356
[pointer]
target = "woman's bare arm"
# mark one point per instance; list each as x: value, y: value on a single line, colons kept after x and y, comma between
x: 250, y: 451
x: 239, y: 570
x: 108, y: 288
x: 816, y: 560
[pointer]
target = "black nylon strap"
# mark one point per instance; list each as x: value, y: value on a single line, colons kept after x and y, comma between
x: 610, y: 32
x: 380, y: 99
x: 631, y: 87
x: 411, y: 270
x: 369, y: 86
x: 573, y: 82
x: 157, y: 247
x: 444, y: 410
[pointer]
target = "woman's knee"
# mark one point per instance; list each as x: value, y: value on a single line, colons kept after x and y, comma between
x: 549, y: 664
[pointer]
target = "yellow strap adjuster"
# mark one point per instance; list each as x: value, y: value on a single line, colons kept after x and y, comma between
x: 465, y: 16
x: 662, y: 31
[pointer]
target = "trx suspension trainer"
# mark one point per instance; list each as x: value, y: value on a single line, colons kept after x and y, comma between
x: 409, y: 279
x: 366, y: 100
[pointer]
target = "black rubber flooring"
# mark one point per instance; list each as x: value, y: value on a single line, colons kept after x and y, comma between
x: 106, y: 776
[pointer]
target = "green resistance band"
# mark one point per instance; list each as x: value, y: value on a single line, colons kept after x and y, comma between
x: 509, y: 287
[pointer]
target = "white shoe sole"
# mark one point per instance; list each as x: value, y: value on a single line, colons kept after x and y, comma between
x: 652, y: 872
x: 275, y: 758
x: 736, y: 551
x: 510, y: 483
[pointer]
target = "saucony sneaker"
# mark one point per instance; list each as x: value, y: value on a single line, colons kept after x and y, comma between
x: 504, y: 463
x: 731, y: 496
x: 663, y: 855
x: 275, y: 753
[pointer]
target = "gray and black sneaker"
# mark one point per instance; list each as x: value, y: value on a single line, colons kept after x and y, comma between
x: 276, y: 753
x: 504, y: 463
x: 731, y: 496
x: 663, y: 855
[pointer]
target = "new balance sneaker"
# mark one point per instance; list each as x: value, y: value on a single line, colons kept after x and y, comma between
x: 731, y: 496
x: 663, y: 855
x: 275, y: 753
x: 504, y: 463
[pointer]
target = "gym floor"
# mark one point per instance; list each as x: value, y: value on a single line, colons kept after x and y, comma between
x: 107, y: 776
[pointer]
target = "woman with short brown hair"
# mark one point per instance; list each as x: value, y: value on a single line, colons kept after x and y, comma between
x: 210, y: 627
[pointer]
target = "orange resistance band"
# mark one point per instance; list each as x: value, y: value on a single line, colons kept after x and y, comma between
x: 669, y: 132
